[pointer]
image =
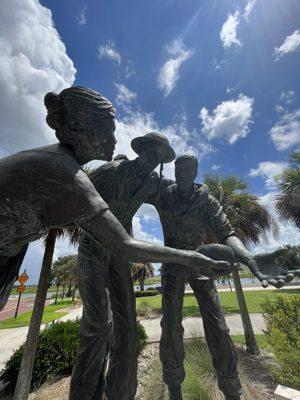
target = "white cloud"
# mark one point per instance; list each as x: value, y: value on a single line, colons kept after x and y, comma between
x: 268, y: 170
x: 279, y: 108
x: 229, y: 29
x: 215, y: 167
x: 287, y: 97
x: 147, y: 212
x: 290, y: 44
x: 231, y: 89
x: 228, y: 32
x: 286, y: 132
x: 286, y: 100
x: 33, y: 61
x: 109, y: 51
x: 124, y: 96
x: 81, y: 19
x: 230, y: 120
x: 218, y: 64
x: 248, y: 9
x: 169, y: 72
x: 288, y: 233
x: 140, y: 234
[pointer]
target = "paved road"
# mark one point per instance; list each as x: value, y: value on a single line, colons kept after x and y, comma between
x: 9, y: 310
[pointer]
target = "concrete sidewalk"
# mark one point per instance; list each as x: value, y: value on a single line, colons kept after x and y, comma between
x: 193, y: 326
x: 11, y: 339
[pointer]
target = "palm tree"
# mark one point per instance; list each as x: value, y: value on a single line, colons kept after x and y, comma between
x: 141, y: 271
x: 250, y: 220
x: 288, y: 202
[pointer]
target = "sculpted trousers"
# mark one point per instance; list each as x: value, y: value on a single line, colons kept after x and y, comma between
x: 121, y: 381
x: 216, y: 333
x: 97, y: 271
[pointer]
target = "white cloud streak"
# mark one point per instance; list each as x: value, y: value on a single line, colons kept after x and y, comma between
x: 290, y: 45
x: 82, y: 19
x: 169, y: 72
x: 124, y: 96
x: 286, y: 132
x: 269, y: 171
x: 248, y: 9
x: 229, y: 29
x: 109, y: 51
x: 33, y: 61
x: 229, y: 121
x: 228, y: 32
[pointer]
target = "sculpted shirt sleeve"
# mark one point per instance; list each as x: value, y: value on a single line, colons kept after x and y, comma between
x: 158, y: 187
x: 216, y: 219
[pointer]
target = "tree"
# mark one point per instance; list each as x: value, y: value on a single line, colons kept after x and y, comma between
x: 141, y: 271
x: 250, y: 220
x: 288, y: 201
x: 65, y: 272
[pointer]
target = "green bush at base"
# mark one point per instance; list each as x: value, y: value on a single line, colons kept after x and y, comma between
x: 146, y: 293
x: 282, y: 316
x: 56, y: 352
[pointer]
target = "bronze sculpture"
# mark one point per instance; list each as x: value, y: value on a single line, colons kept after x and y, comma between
x: 45, y: 188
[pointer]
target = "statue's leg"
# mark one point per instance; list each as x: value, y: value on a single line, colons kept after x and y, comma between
x: 122, y: 371
x: 171, y: 342
x: 217, y: 336
x: 87, y: 381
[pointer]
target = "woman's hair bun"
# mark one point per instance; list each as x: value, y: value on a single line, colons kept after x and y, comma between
x: 53, y: 104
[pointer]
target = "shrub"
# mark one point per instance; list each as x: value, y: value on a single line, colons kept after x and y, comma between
x: 57, y: 346
x: 55, y: 355
x: 146, y: 293
x: 142, y: 336
x: 282, y: 316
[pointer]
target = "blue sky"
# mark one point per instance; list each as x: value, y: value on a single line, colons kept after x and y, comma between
x: 219, y: 78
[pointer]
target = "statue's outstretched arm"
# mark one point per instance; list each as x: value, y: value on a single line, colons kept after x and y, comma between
x: 104, y: 228
x: 263, y: 266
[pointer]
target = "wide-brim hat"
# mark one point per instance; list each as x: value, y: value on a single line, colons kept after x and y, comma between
x: 155, y: 137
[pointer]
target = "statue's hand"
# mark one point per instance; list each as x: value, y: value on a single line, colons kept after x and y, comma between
x: 213, y: 269
x: 264, y: 267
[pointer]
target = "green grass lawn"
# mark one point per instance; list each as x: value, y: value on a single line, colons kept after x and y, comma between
x: 228, y: 301
x: 261, y: 340
x: 50, y: 314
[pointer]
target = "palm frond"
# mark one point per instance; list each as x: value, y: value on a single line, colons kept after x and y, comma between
x: 248, y: 217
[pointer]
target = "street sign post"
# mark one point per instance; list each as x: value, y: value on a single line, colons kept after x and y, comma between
x: 21, y: 289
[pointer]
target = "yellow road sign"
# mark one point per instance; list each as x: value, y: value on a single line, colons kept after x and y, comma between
x: 23, y: 278
x: 21, y: 288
